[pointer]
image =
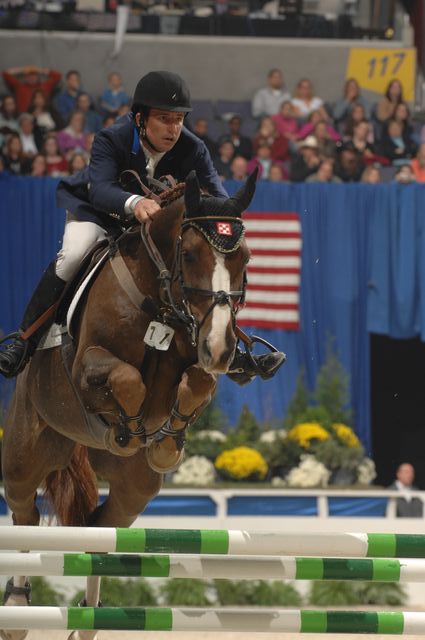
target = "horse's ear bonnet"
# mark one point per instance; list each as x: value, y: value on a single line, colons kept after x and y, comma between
x: 225, y: 232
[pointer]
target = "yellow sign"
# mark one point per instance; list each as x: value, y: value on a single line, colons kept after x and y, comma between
x: 375, y: 68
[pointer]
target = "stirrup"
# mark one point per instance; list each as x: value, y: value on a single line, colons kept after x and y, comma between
x: 24, y: 357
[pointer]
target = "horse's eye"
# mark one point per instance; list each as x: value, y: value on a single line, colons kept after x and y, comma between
x: 188, y: 256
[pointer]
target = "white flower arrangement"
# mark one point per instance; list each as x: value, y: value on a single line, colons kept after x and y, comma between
x: 269, y: 437
x: 210, y: 434
x: 277, y: 481
x: 309, y: 473
x: 197, y: 470
x: 366, y: 471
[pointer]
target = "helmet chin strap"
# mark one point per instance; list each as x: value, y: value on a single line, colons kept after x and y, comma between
x: 143, y: 135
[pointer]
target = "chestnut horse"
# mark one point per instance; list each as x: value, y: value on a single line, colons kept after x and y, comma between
x: 121, y: 415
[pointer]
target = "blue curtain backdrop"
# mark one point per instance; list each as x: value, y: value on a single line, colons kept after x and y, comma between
x: 363, y: 271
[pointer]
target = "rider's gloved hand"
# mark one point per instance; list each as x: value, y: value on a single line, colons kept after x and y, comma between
x: 145, y: 209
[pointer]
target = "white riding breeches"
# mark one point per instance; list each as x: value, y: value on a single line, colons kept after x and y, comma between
x: 78, y: 238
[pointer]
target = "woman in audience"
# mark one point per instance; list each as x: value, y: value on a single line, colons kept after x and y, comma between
x: 56, y: 163
x: 77, y: 162
x: 325, y: 173
x: 402, y: 115
x: 73, y: 136
x: 357, y: 115
x: 8, y: 117
x: 285, y: 123
x: 352, y: 96
x: 38, y: 166
x: 387, y: 105
x: 394, y: 146
x: 268, y: 134
x: 223, y: 159
x: 45, y: 118
x: 371, y: 175
x: 361, y: 139
x: 13, y: 155
x: 277, y: 173
x: 263, y: 161
x: 314, y: 118
x: 324, y: 139
x: 304, y: 100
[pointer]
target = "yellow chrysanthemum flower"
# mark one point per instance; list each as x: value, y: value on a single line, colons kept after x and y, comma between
x: 241, y: 463
x: 305, y: 432
x: 346, y: 435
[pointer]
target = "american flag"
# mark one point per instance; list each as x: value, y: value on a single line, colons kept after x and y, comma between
x: 274, y: 272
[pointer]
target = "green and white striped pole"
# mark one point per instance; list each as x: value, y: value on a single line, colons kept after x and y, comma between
x: 233, y: 542
x: 203, y: 566
x: 167, y: 619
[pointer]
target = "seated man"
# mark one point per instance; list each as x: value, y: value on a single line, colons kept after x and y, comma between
x: 407, y: 507
x: 152, y: 141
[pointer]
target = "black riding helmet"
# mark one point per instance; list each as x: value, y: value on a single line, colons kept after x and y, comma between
x: 162, y: 90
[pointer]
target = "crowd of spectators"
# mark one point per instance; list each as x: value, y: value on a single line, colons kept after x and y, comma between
x: 46, y: 129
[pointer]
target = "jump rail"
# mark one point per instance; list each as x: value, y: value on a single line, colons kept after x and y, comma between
x: 189, y: 619
x: 203, y: 566
x: 235, y: 542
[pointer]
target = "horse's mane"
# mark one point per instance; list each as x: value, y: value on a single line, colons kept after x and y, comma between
x: 171, y: 195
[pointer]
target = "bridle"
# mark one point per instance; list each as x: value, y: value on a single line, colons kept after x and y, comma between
x: 181, y: 313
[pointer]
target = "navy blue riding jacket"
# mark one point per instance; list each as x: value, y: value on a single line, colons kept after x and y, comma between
x: 96, y: 195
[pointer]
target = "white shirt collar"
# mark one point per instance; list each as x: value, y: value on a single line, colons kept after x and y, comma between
x: 152, y: 160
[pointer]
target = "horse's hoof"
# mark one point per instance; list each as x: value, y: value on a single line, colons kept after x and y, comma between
x: 164, y: 456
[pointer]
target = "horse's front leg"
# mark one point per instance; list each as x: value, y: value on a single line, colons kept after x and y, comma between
x: 193, y: 394
x: 108, y: 384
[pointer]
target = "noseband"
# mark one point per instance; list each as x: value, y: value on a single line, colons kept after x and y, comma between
x: 182, y: 313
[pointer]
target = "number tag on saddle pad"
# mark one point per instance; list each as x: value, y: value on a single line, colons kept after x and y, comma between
x: 159, y: 336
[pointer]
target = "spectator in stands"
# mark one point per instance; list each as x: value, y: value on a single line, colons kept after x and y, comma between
x: 200, y: 129
x: 44, y: 116
x: 56, y: 163
x: 242, y: 144
x: 356, y: 115
x: 285, y: 122
x: 407, y: 507
x: 8, y: 117
x: 267, y: 101
x: 360, y: 139
x: 73, y: 137
x: 325, y: 172
x: 108, y: 122
x: 262, y: 160
x: 306, y: 162
x: 386, y: 106
x: 31, y: 136
x: 23, y: 81
x: 93, y: 121
x: 114, y: 97
x: 371, y: 175
x: 394, y: 146
x: 66, y: 101
x: 223, y: 159
x: 402, y: 115
x: 268, y: 134
x: 304, y: 101
x: 277, y: 173
x: 13, y: 156
x: 122, y: 111
x: 239, y: 168
x: 38, y: 166
x: 352, y: 96
x: 404, y: 174
x: 77, y: 162
x: 324, y: 140
x: 349, y: 165
x: 418, y: 164
x: 314, y: 118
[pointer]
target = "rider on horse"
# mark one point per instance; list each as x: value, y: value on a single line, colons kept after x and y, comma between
x: 151, y: 141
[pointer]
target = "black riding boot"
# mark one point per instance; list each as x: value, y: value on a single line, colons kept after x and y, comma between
x: 246, y: 366
x: 16, y: 355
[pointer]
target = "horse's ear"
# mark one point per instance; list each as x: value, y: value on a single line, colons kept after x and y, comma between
x: 192, y: 195
x: 242, y: 198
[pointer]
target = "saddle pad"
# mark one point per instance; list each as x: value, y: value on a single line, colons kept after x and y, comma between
x: 81, y: 289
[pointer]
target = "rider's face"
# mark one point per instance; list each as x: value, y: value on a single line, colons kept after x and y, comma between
x: 163, y: 128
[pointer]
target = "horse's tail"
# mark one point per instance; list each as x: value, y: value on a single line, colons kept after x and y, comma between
x: 72, y: 492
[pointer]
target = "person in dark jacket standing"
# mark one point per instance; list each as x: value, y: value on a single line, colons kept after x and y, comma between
x: 152, y: 141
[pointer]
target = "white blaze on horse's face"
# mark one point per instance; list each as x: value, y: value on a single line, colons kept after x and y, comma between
x: 219, y: 345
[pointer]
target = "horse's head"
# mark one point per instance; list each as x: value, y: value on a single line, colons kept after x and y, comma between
x: 213, y: 261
